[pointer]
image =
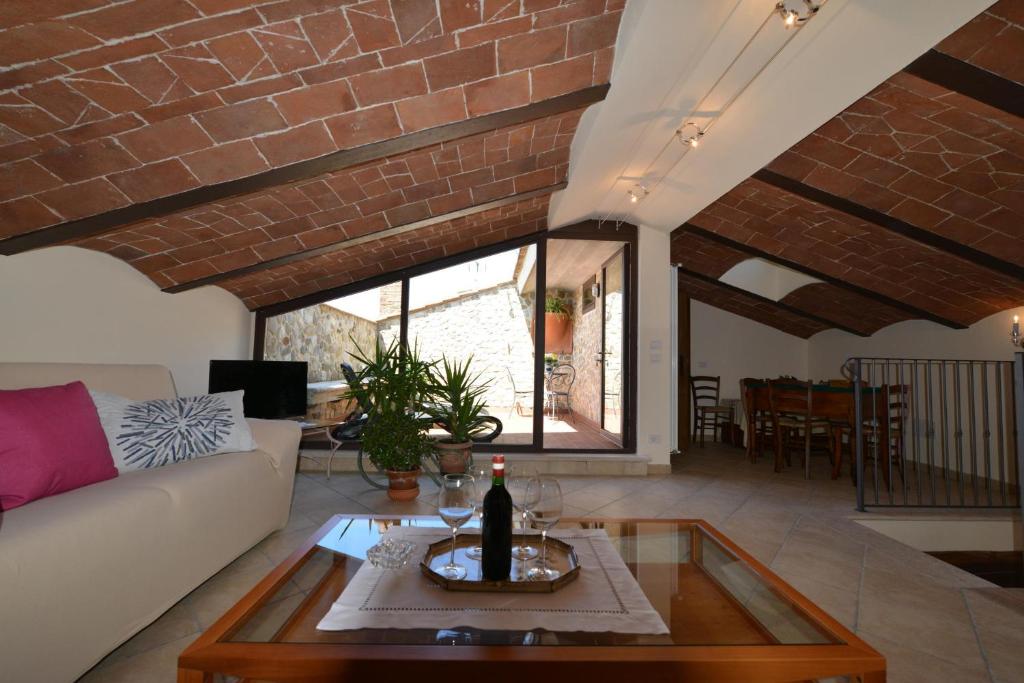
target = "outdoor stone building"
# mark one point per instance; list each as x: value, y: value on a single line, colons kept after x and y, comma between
x: 322, y: 336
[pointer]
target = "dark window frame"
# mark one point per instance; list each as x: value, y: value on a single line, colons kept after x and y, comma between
x: 588, y: 230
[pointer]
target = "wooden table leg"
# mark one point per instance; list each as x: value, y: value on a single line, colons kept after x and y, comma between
x: 872, y: 677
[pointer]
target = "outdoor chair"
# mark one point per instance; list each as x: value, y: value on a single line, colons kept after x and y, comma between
x: 558, y: 389
x: 517, y: 394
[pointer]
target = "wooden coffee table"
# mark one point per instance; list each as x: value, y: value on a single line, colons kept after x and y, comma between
x: 731, y: 619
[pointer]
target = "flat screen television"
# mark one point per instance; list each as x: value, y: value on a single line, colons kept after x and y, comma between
x: 274, y: 389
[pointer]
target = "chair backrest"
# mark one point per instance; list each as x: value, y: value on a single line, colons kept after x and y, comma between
x: 562, y: 377
x: 789, y: 396
x: 511, y: 379
x: 744, y: 387
x: 899, y: 404
x: 704, y: 389
x: 349, y: 373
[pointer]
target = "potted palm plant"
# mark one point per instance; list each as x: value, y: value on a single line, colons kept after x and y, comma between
x: 457, y: 405
x: 392, y: 384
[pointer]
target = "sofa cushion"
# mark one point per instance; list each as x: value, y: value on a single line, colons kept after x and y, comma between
x: 144, y: 434
x: 50, y: 441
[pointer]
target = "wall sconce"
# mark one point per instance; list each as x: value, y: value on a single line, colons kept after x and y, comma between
x: 1015, y: 336
x: 595, y: 290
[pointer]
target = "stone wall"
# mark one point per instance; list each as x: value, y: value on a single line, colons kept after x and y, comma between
x: 320, y: 335
x: 614, y: 326
x: 491, y: 325
x: 586, y: 345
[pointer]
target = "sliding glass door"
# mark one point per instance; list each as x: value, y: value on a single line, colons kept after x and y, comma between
x: 584, y: 328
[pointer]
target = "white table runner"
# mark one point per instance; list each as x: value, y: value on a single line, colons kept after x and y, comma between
x: 604, y: 598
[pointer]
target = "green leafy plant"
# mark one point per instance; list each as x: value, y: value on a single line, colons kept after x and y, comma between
x: 457, y: 400
x: 555, y: 303
x: 392, y: 384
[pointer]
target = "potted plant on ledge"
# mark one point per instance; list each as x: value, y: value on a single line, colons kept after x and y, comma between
x: 457, y: 405
x: 393, y: 383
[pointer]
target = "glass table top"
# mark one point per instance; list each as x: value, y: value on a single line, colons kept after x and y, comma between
x: 704, y: 592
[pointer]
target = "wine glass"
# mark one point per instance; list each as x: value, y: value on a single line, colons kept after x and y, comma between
x: 455, y: 503
x: 480, y: 473
x: 544, y: 497
x: 518, y: 483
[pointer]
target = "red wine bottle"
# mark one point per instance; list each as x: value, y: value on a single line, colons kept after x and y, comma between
x: 496, y: 533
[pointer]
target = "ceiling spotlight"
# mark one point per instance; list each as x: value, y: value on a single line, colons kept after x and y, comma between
x: 637, y: 192
x: 690, y: 134
x: 791, y: 18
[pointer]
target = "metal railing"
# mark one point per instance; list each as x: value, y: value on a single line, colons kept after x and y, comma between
x: 937, y: 432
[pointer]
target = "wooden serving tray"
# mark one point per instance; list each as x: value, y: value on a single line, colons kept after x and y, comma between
x: 560, y: 556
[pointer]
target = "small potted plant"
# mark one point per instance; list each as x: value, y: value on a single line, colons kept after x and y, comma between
x: 457, y: 405
x: 393, y: 383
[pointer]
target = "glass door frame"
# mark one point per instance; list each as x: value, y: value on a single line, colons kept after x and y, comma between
x: 586, y: 230
x: 620, y: 255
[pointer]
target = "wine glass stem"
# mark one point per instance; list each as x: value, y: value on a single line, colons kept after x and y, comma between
x: 544, y: 548
x: 451, y: 560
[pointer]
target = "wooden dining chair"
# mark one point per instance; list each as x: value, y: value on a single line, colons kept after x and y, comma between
x: 759, y: 422
x: 793, y: 421
x: 897, y: 409
x: 708, y: 411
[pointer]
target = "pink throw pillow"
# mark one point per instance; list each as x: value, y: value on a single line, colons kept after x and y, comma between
x: 50, y: 441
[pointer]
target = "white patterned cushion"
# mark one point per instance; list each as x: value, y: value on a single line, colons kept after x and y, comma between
x: 145, y: 434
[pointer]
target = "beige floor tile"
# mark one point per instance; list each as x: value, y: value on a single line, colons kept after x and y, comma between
x: 158, y: 665
x: 906, y: 665
x: 998, y: 615
x: 927, y: 618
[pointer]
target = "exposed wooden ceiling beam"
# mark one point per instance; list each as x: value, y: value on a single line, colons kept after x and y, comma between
x: 369, y: 237
x: 112, y: 220
x: 793, y: 265
x: 894, y: 225
x: 967, y: 79
x: 771, y: 302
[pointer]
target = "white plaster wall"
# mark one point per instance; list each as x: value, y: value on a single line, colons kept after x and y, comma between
x: 987, y: 339
x: 654, y: 399
x: 735, y: 347
x: 65, y: 304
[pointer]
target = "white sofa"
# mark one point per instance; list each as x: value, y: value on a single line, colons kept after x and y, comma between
x: 82, y: 571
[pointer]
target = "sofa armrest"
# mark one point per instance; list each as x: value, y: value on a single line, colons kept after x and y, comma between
x: 279, y: 439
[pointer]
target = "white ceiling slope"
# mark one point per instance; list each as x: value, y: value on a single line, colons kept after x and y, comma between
x: 670, y: 54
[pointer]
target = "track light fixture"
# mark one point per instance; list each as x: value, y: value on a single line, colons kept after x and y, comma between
x: 792, y: 18
x: 710, y: 108
x: 689, y: 134
x: 637, y: 192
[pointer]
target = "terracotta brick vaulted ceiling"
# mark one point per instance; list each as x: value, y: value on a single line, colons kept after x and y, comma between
x: 281, y: 148
x: 908, y: 204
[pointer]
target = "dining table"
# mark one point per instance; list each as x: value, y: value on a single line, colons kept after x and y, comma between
x: 828, y: 401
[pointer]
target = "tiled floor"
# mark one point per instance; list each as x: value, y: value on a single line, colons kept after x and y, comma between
x: 932, y: 621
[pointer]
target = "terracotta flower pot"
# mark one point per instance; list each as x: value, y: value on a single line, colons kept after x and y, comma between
x: 557, y: 333
x: 403, y: 485
x: 454, y: 458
